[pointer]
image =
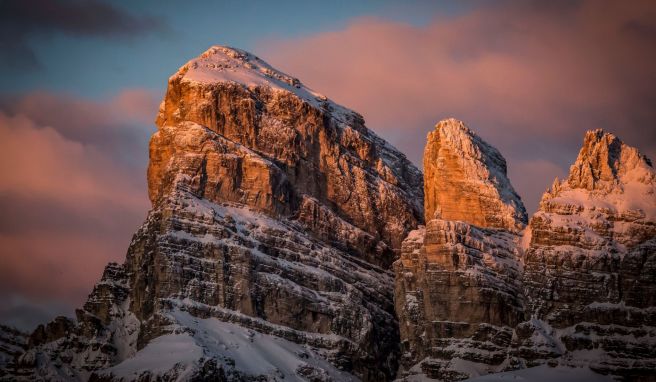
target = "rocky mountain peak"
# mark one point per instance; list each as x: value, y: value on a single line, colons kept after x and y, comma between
x: 276, y: 215
x: 608, y: 177
x: 242, y: 131
x: 605, y: 162
x: 466, y: 179
x: 222, y: 64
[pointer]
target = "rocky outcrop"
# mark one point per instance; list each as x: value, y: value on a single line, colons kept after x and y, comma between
x: 590, y: 268
x: 12, y: 344
x: 276, y: 216
x: 307, y: 153
x: 457, y: 289
x: 465, y: 180
x: 474, y: 295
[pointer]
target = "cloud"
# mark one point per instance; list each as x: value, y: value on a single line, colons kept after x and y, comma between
x: 529, y: 78
x: 21, y: 21
x: 72, y: 193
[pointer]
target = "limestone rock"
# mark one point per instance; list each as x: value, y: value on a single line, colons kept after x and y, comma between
x: 309, y: 148
x: 590, y: 268
x: 276, y: 216
x: 13, y: 343
x: 458, y: 281
x: 465, y: 179
x: 576, y: 289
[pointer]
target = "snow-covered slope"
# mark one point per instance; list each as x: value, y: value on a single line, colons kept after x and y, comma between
x: 240, y: 353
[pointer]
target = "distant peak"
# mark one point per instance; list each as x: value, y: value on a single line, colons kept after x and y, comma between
x: 605, y: 161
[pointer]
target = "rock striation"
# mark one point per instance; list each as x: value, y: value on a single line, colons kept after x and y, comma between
x: 590, y: 268
x: 458, y: 281
x: 276, y: 215
x: 465, y: 180
x: 285, y: 242
x: 12, y: 344
x: 577, y: 288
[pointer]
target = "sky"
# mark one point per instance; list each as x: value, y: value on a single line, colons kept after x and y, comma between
x: 81, y: 81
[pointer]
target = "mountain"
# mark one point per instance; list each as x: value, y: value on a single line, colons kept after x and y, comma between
x: 477, y: 294
x: 276, y: 215
x: 286, y: 241
x: 458, y: 281
x: 590, y: 268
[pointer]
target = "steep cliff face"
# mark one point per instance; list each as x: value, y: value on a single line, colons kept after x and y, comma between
x: 465, y: 180
x: 276, y: 215
x: 319, y: 154
x: 12, y: 343
x: 590, y: 269
x: 474, y: 295
x: 458, y: 290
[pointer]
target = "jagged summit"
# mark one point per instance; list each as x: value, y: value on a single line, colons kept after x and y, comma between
x: 465, y: 179
x: 607, y: 175
x: 589, y: 270
x: 220, y: 64
x: 605, y: 162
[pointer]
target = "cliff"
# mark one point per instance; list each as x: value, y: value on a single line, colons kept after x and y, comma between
x: 276, y: 215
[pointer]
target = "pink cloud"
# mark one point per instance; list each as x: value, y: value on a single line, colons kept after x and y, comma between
x: 530, y: 79
x: 73, y: 193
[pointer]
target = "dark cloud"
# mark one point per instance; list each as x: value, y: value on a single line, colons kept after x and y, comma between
x: 21, y: 21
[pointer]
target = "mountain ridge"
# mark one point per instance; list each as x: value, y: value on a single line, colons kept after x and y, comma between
x: 287, y: 241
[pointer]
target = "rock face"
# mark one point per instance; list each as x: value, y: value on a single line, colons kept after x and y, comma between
x: 465, y: 180
x: 314, y: 161
x: 458, y: 290
x: 12, y: 343
x: 276, y: 216
x: 577, y: 288
x: 590, y: 269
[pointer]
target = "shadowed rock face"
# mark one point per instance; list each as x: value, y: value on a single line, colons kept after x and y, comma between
x: 577, y: 288
x: 274, y: 209
x: 12, y: 343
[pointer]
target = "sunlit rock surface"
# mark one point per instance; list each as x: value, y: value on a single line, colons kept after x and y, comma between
x: 458, y: 281
x: 577, y: 288
x: 590, y: 268
x: 276, y: 217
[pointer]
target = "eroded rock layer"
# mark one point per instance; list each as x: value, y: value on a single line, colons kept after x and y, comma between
x: 465, y: 180
x: 576, y: 289
x: 590, y: 269
x: 458, y: 281
x: 276, y: 215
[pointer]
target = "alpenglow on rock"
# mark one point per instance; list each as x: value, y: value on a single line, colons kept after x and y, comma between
x: 275, y: 217
x: 575, y: 289
x: 590, y: 269
x: 457, y: 290
x: 465, y: 179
